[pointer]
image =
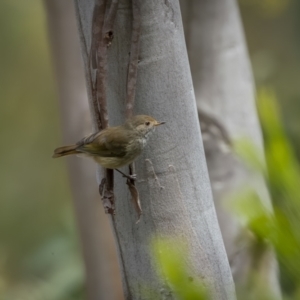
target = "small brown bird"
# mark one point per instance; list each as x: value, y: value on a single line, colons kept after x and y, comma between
x: 114, y: 147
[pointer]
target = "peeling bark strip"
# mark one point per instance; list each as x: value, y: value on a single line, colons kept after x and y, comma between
x: 104, y: 43
x: 134, y: 58
x: 135, y: 198
x: 108, y: 29
x: 131, y: 89
x: 97, y: 24
x: 107, y: 197
x: 102, y: 35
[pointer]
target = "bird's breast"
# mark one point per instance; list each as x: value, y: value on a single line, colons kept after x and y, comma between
x: 133, y: 150
x: 137, y: 146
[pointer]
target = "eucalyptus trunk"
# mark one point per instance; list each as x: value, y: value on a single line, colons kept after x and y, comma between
x: 172, y: 180
x: 225, y: 96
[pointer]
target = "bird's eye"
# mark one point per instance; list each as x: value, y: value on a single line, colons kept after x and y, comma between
x: 147, y: 123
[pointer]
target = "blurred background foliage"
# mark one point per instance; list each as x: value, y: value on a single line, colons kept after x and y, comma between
x: 39, y: 249
x: 272, y: 33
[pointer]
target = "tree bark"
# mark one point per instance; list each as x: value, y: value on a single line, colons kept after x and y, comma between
x: 172, y: 174
x: 102, y: 271
x: 225, y: 96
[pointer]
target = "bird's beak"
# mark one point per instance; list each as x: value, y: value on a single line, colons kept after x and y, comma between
x: 159, y: 123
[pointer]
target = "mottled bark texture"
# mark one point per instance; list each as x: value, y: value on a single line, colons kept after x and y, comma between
x: 103, y: 278
x: 225, y: 96
x: 172, y: 180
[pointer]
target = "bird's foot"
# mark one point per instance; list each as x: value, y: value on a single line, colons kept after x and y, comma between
x: 130, y: 177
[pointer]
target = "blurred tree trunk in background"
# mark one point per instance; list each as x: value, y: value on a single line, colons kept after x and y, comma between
x: 102, y: 271
x: 172, y: 175
x: 225, y: 96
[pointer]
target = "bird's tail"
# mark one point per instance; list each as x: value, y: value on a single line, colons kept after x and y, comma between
x: 65, y: 150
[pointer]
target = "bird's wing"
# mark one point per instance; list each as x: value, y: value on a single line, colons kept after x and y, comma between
x: 110, y: 142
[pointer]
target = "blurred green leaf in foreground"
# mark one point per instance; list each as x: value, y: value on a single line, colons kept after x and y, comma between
x: 278, y: 227
x: 169, y: 256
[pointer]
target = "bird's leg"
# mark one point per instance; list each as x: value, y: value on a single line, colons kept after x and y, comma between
x: 130, y: 177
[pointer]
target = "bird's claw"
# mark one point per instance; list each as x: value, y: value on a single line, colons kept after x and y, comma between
x: 131, y: 177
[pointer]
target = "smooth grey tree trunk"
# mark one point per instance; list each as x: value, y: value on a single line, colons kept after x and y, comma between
x: 173, y: 181
x: 103, y: 278
x: 225, y: 91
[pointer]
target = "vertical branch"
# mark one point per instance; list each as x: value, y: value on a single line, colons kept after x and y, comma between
x: 131, y: 88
